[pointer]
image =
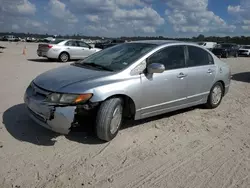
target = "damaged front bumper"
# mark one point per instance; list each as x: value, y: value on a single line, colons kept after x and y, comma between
x: 56, y: 118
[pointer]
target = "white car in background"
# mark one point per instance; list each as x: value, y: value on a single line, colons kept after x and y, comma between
x: 65, y: 50
x: 244, y: 50
x: 208, y: 45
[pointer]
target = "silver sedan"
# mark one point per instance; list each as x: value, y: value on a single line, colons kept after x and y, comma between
x: 65, y: 50
x: 132, y: 80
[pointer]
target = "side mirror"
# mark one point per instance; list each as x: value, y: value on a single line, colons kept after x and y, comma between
x: 155, y: 68
x: 90, y: 47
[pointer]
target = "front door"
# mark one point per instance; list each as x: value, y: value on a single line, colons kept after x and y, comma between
x: 201, y: 74
x: 84, y: 49
x: 164, y: 92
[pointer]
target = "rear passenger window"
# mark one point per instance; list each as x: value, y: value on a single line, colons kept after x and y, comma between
x: 198, y: 57
x: 171, y: 57
x: 71, y: 43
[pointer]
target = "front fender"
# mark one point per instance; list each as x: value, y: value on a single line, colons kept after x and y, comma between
x: 130, y: 88
x: 101, y: 93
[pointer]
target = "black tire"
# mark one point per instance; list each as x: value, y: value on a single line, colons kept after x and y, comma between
x: 104, y: 118
x: 210, y: 104
x: 64, y: 57
x: 226, y: 55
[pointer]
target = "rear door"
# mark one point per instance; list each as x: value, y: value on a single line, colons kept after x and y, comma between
x: 201, y: 73
x: 72, y: 49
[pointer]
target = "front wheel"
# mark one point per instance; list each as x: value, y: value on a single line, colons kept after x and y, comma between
x: 109, y: 118
x: 215, y: 96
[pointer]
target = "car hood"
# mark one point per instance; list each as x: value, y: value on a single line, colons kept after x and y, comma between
x: 244, y: 49
x: 61, y: 77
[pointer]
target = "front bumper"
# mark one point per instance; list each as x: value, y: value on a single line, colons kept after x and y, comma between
x: 57, y: 119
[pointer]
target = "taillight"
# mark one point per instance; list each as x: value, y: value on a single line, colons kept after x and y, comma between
x: 50, y: 46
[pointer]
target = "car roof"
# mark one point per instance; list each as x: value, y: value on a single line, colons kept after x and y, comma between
x: 157, y: 42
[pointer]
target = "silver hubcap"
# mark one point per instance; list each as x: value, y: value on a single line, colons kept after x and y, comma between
x: 116, y: 119
x: 64, y: 57
x: 216, y: 95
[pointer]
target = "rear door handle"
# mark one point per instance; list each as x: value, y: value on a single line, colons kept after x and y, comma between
x: 181, y: 75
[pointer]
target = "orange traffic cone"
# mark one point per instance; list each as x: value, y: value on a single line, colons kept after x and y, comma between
x: 24, y: 50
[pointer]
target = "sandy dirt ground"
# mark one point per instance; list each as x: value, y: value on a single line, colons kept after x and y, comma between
x: 189, y: 148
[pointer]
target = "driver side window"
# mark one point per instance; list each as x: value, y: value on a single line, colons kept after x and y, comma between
x: 82, y: 44
x: 172, y: 57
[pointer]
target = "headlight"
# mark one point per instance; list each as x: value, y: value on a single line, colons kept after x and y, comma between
x: 68, y: 98
x: 54, y: 97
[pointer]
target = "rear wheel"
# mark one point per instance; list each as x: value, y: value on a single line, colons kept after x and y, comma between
x: 109, y: 119
x: 215, y: 96
x: 64, y: 57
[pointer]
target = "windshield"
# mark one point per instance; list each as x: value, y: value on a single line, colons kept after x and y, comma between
x: 246, y: 47
x: 118, y: 57
x: 201, y: 43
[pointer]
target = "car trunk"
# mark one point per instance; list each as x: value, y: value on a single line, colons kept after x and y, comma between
x: 44, y: 47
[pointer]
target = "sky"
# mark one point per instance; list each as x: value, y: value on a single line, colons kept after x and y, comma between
x: 115, y: 18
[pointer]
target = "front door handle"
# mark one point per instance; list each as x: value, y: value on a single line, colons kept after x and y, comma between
x: 210, y: 71
x: 181, y: 75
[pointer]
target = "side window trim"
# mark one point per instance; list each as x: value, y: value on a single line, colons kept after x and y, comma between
x: 186, y: 55
x: 210, y: 56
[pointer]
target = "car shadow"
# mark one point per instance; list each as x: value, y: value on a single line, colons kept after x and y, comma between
x: 242, y: 77
x: 42, y: 60
x: 131, y: 123
x: 22, y: 128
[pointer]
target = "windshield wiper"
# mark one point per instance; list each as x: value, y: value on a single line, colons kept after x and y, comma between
x: 97, y: 66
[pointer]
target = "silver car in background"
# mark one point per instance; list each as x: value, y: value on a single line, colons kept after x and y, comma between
x: 65, y: 50
x: 244, y: 51
x: 133, y: 80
